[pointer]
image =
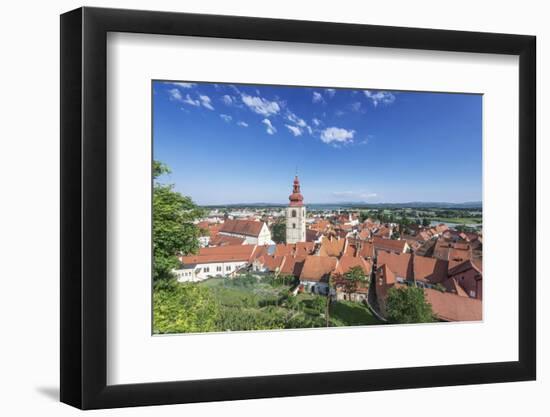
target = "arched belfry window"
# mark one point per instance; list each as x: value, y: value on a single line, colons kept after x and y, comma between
x: 293, y: 213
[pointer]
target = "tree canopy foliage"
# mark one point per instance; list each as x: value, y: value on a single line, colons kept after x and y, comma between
x: 173, y: 228
x: 278, y: 232
x: 352, y: 279
x: 183, y: 308
x: 408, y: 305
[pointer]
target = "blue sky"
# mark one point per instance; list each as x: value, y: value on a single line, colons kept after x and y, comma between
x: 238, y: 143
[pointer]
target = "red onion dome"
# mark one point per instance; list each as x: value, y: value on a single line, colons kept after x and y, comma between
x: 296, y: 198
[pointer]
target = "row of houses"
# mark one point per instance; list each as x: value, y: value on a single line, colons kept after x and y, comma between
x: 440, y: 260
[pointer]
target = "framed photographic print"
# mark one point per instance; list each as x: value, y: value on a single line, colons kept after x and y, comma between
x: 258, y: 208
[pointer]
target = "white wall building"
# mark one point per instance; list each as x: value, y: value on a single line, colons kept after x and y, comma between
x: 254, y: 232
x: 222, y: 261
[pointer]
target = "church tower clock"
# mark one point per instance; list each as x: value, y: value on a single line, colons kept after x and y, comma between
x: 296, y: 215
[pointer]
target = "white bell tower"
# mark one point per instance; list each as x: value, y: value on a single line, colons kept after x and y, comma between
x: 296, y: 216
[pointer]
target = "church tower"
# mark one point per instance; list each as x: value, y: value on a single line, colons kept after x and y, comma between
x: 296, y: 216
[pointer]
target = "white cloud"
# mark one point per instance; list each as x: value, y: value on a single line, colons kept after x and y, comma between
x: 354, y: 195
x: 235, y: 89
x: 175, y: 94
x: 269, y: 127
x: 227, y: 99
x: 206, y: 102
x: 295, y: 130
x: 226, y: 117
x: 337, y: 135
x: 242, y: 124
x: 260, y: 105
x: 377, y: 97
x: 296, y: 120
x: 330, y: 92
x: 184, y: 85
x: 317, y: 97
x: 356, y: 107
x: 316, y: 121
x: 190, y: 101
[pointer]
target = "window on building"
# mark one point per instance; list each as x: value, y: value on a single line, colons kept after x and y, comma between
x: 218, y: 268
x: 294, y: 225
x: 228, y: 268
x: 293, y: 213
x: 207, y: 269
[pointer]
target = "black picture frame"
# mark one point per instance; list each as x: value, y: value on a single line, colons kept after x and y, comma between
x: 84, y: 207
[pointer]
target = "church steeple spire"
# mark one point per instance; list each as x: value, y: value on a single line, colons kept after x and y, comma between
x: 296, y: 215
x: 296, y: 198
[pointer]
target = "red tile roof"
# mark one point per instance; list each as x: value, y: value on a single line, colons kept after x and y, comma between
x: 271, y: 263
x: 367, y: 250
x: 451, y: 307
x: 320, y: 225
x: 312, y: 235
x: 293, y: 265
x: 389, y: 244
x: 332, y: 247
x: 464, y: 266
x: 295, y: 249
x: 429, y: 269
x: 318, y: 268
x: 451, y: 285
x: 231, y: 253
x: 345, y: 263
x: 242, y: 227
x: 383, y: 231
x: 364, y: 234
x: 224, y: 240
x: 401, y: 265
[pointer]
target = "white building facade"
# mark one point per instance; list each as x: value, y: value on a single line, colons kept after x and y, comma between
x: 201, y: 271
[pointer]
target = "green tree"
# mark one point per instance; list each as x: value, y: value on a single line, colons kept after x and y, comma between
x: 331, y: 288
x: 353, y: 278
x: 408, y: 305
x: 173, y: 228
x: 318, y: 304
x: 183, y: 308
x: 278, y: 232
x: 364, y: 215
x: 425, y: 222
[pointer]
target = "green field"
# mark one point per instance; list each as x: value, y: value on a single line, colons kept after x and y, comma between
x: 247, y: 303
x: 457, y: 220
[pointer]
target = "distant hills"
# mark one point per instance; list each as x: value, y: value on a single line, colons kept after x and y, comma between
x: 357, y: 204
